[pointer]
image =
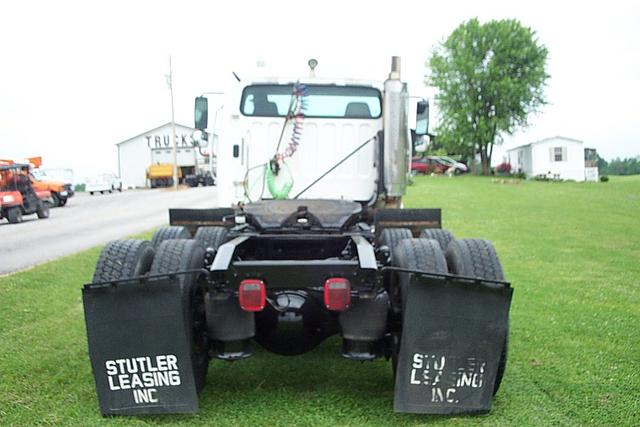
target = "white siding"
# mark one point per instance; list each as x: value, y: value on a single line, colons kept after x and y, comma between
x: 570, y: 167
x: 135, y: 155
x: 538, y: 158
x: 133, y: 158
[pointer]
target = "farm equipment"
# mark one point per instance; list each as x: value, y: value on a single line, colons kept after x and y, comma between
x: 310, y: 242
x: 18, y: 197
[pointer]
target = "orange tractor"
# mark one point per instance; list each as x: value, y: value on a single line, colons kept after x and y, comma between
x: 17, y: 195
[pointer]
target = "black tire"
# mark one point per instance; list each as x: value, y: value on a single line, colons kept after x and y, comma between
x: 414, y: 254
x: 443, y: 237
x: 390, y: 237
x: 123, y: 259
x: 169, y: 232
x: 43, y: 210
x: 211, y: 237
x: 14, y: 215
x: 91, y: 192
x: 478, y: 258
x: 183, y: 254
x: 417, y: 254
x: 56, y: 199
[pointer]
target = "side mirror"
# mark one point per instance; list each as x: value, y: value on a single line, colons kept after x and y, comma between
x: 201, y: 113
x: 422, y: 118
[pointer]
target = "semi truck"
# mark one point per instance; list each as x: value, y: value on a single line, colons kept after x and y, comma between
x: 309, y: 240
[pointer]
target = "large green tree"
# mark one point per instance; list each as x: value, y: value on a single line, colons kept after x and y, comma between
x: 489, y: 77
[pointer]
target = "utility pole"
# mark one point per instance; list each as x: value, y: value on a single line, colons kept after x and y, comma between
x: 173, y: 128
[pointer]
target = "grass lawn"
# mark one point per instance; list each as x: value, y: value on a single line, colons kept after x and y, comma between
x: 571, y: 251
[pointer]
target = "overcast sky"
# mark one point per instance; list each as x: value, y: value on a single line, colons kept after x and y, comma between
x: 78, y: 77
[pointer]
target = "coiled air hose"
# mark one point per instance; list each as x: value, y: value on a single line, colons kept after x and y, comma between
x: 297, y: 107
x: 273, y: 167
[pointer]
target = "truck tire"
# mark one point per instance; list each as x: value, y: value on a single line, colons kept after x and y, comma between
x: 56, y: 199
x: 390, y: 237
x: 414, y: 254
x: 184, y: 254
x: 169, y: 232
x: 43, y: 210
x: 123, y: 259
x: 443, y: 237
x: 62, y: 201
x: 211, y: 237
x: 478, y: 258
x: 417, y: 254
x: 14, y: 215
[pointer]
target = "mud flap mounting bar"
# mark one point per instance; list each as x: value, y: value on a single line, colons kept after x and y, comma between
x: 454, y: 332
x: 139, y: 347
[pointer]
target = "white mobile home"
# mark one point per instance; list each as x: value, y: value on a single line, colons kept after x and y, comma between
x: 557, y: 157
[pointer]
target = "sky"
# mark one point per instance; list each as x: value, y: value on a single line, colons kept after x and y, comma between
x: 78, y: 77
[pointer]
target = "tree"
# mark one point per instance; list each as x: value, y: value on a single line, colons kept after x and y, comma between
x: 490, y: 77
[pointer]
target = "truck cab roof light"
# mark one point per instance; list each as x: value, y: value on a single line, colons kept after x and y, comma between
x: 337, y: 294
x: 252, y: 295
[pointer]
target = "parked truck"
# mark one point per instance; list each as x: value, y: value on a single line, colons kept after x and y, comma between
x: 60, y: 191
x: 161, y: 175
x: 102, y: 183
x: 309, y: 240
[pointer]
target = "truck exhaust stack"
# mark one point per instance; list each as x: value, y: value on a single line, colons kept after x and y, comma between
x: 397, y: 136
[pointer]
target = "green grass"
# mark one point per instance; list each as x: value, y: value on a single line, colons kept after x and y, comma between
x: 571, y: 250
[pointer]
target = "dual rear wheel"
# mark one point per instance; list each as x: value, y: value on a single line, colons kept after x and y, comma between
x: 171, y: 250
x: 437, y: 251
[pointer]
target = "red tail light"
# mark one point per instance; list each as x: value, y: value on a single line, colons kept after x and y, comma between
x: 252, y: 295
x: 337, y: 293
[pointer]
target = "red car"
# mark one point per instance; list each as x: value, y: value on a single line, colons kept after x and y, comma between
x: 428, y: 165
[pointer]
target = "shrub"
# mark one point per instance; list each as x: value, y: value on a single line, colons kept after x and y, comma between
x: 79, y: 187
x: 604, y: 178
x: 520, y: 175
x: 503, y: 168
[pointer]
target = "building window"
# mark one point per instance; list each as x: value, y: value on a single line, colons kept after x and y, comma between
x: 558, y: 154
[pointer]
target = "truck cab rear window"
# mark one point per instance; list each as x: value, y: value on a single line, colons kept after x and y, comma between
x: 323, y: 101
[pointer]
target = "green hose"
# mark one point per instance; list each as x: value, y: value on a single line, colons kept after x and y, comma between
x: 282, y: 193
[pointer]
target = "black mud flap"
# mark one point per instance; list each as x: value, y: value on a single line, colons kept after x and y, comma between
x: 454, y: 331
x: 139, y: 348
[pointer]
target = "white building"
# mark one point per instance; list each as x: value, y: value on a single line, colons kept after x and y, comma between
x: 557, y: 157
x: 136, y: 154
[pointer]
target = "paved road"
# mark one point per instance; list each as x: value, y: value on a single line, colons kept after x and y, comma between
x: 88, y: 221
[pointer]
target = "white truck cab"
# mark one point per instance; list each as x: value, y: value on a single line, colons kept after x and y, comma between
x: 311, y: 138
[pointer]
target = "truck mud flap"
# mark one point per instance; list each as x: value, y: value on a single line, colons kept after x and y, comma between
x: 454, y: 331
x: 139, y: 349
